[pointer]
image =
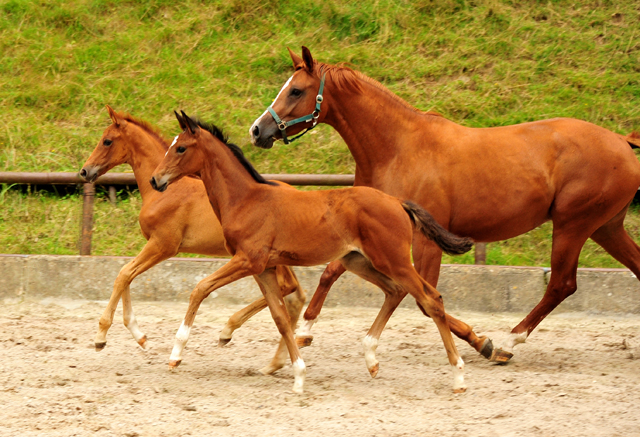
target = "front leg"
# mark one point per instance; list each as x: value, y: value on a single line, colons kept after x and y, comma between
x: 153, y: 253
x: 269, y: 287
x: 237, y: 268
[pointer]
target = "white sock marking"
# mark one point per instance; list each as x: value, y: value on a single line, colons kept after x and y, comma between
x: 458, y: 375
x: 299, y: 373
x: 181, y: 341
x: 515, y: 339
x: 370, y: 345
x: 305, y: 330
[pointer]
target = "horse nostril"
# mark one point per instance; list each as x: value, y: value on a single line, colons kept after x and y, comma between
x: 153, y: 183
x: 83, y: 173
x: 256, y: 131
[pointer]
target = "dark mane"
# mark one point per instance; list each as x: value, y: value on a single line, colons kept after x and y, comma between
x: 344, y: 78
x: 237, y: 151
x: 147, y: 127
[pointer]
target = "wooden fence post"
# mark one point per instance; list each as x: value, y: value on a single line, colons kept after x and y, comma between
x: 481, y: 253
x: 88, y: 197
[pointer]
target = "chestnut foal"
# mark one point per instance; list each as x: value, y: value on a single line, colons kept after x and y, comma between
x: 180, y: 220
x: 266, y: 225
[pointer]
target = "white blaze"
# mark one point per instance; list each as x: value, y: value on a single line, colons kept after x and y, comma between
x: 286, y: 84
x: 172, y: 144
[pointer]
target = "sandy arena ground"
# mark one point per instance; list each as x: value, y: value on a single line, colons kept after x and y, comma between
x: 577, y: 375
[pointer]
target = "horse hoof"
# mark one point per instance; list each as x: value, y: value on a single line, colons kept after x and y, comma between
x: 373, y: 370
x: 174, y: 363
x: 100, y: 346
x: 500, y: 356
x: 269, y: 370
x: 487, y: 348
x: 143, y: 342
x: 222, y: 342
x: 304, y: 340
x: 297, y: 390
x: 460, y: 390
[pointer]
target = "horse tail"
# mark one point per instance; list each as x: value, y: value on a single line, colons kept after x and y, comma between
x: 633, y: 139
x: 430, y: 228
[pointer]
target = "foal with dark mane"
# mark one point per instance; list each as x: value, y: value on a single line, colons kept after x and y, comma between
x: 266, y: 226
x: 180, y: 220
x: 488, y: 184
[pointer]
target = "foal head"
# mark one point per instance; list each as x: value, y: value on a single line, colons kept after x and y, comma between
x: 301, y: 97
x: 184, y: 156
x: 115, y: 145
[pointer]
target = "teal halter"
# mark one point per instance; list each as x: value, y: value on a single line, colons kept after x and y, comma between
x: 283, y: 125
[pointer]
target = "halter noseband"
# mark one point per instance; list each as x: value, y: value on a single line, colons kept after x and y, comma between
x: 283, y: 125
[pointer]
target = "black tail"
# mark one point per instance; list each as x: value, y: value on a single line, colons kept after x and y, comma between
x: 425, y: 223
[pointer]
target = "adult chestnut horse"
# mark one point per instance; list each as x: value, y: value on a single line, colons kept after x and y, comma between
x: 489, y: 184
x: 266, y: 225
x: 180, y: 220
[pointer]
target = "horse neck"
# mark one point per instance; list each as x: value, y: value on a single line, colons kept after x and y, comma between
x: 145, y: 153
x: 373, y: 123
x: 228, y: 183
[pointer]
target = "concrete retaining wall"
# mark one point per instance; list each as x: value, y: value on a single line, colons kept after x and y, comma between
x: 473, y: 288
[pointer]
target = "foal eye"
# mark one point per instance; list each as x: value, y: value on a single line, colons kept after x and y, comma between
x: 180, y: 149
x: 106, y: 142
x: 296, y: 92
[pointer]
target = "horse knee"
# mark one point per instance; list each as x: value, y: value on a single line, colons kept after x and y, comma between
x: 560, y: 290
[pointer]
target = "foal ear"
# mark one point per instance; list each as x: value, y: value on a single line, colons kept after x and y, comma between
x: 308, y: 59
x: 297, y: 60
x: 192, y: 125
x: 114, y: 116
x: 183, y: 126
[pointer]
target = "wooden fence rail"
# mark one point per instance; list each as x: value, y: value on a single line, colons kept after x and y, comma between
x: 114, y: 179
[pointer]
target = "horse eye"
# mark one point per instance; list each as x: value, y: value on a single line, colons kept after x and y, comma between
x: 106, y: 142
x: 180, y: 149
x: 296, y: 92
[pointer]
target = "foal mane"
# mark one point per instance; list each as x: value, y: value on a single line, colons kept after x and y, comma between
x: 146, y: 126
x: 347, y: 78
x: 237, y: 151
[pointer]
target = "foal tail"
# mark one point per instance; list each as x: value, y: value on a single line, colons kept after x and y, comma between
x: 425, y: 223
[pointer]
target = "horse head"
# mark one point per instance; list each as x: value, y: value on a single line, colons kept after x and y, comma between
x: 297, y: 108
x: 110, y: 151
x: 183, y: 157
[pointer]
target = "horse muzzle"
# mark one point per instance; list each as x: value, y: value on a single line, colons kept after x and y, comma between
x: 159, y: 184
x: 263, y: 134
x: 89, y: 173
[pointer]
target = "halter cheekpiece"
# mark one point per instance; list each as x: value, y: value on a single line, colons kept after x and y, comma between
x: 283, y: 125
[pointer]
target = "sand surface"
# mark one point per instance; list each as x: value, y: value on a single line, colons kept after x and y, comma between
x: 577, y: 375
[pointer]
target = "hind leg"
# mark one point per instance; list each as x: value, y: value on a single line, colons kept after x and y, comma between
x: 361, y: 266
x: 613, y: 238
x: 427, y: 256
x: 290, y: 287
x: 565, y: 252
x: 330, y: 275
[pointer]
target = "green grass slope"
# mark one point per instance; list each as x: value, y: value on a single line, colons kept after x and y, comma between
x: 480, y: 63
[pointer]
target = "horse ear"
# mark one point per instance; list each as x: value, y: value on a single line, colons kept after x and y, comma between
x: 114, y: 116
x: 308, y: 59
x: 192, y: 125
x: 297, y: 60
x: 183, y: 126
